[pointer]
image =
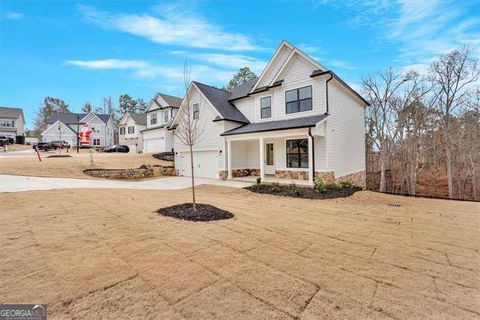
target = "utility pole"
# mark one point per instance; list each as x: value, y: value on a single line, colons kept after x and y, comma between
x: 78, y: 132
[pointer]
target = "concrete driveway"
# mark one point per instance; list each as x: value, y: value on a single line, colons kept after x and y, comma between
x: 10, y: 183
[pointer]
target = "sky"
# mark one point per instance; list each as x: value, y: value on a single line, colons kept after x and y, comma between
x: 86, y: 50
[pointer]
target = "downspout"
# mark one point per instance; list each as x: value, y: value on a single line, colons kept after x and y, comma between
x: 326, y: 93
x: 313, y: 153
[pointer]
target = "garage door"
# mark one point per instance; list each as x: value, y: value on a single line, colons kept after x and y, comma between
x: 205, y: 164
x: 132, y: 146
x: 152, y: 145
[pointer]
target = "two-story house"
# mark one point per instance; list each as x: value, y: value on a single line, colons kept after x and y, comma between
x: 64, y: 126
x: 296, y: 121
x: 12, y: 122
x: 129, y: 130
x: 160, y: 112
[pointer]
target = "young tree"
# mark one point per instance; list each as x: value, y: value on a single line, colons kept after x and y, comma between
x: 188, y: 127
x: 452, y: 74
x: 244, y: 74
x: 45, y: 110
x: 87, y: 107
x: 126, y: 104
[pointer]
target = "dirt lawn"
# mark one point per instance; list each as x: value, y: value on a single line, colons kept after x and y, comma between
x: 110, y: 256
x: 73, y: 167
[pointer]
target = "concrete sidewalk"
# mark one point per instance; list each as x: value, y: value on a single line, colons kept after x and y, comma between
x: 10, y: 183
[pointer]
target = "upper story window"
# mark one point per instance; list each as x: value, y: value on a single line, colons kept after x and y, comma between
x: 298, y: 100
x: 153, y: 118
x: 196, y: 111
x: 7, y: 123
x: 122, y: 130
x: 165, y: 115
x: 131, y: 129
x: 266, y: 107
x: 95, y: 130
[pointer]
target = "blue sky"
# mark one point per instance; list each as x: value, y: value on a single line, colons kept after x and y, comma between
x: 87, y: 50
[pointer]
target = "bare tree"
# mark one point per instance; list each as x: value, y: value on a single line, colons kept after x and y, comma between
x: 188, y: 127
x: 452, y: 74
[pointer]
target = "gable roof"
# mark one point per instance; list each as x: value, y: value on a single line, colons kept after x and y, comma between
x: 220, y: 100
x: 294, y: 123
x: 138, y: 118
x: 69, y: 117
x: 172, y: 101
x: 243, y: 89
x: 74, y: 131
x: 11, y: 113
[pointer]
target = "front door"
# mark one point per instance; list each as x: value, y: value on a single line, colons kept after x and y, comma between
x: 269, y: 158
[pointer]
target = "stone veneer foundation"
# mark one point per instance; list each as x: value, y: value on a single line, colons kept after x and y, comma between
x: 358, y: 179
x: 236, y: 173
x: 294, y: 175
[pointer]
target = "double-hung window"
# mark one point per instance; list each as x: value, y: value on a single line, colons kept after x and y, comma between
x: 297, y: 153
x: 298, y: 100
x: 196, y: 111
x: 153, y: 118
x: 122, y: 131
x: 266, y: 107
x: 165, y: 115
x: 131, y: 129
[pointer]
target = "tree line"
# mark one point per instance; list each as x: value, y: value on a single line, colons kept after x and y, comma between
x: 51, y: 105
x: 423, y: 130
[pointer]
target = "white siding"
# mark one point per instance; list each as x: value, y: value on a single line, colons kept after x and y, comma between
x: 345, y: 134
x: 275, y: 66
x: 133, y: 140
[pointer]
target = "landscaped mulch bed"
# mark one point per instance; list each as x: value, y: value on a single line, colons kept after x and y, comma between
x: 59, y: 156
x: 302, y: 192
x: 205, y: 212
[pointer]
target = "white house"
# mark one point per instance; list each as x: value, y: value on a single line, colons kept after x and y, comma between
x: 63, y: 126
x: 160, y: 112
x: 296, y: 121
x: 12, y: 122
x: 129, y: 130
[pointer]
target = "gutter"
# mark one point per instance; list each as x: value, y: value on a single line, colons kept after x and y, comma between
x: 326, y: 92
x: 313, y: 153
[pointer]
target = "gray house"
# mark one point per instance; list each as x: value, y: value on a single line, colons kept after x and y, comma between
x: 12, y: 122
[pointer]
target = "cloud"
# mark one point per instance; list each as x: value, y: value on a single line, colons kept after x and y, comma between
x: 11, y: 15
x: 177, y: 27
x: 148, y: 70
x: 340, y: 64
x: 227, y: 61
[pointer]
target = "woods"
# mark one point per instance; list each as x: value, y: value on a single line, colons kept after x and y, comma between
x: 423, y: 130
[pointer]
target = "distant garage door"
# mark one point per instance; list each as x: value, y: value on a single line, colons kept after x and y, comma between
x: 205, y: 164
x: 152, y: 145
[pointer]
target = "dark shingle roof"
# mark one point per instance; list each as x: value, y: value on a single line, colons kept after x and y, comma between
x: 219, y: 99
x: 243, y: 89
x: 139, y: 118
x: 277, y: 125
x: 69, y: 117
x: 171, y: 100
x: 11, y: 113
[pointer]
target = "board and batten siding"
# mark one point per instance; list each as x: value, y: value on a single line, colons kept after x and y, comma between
x: 345, y: 134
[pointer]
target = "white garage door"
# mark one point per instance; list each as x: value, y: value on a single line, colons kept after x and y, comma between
x: 152, y: 146
x: 132, y: 146
x: 205, y: 164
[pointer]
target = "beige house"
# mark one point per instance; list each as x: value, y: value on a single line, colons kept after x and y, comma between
x: 12, y: 122
x: 129, y: 131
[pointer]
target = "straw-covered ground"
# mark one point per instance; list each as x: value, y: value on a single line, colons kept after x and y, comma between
x: 107, y: 254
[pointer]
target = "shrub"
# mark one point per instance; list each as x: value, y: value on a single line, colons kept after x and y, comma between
x: 294, y: 189
x: 346, y: 184
x: 275, y: 186
x: 320, y: 184
x: 259, y: 181
x: 332, y: 185
x: 20, y: 139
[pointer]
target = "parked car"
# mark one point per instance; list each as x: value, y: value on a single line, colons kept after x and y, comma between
x: 61, y: 144
x: 7, y: 140
x: 45, y: 146
x: 117, y: 148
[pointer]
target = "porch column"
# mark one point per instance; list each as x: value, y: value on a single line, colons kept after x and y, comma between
x: 262, y: 159
x: 311, y: 177
x: 229, y: 159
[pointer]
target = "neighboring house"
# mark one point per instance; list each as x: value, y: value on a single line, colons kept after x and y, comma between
x: 129, y: 129
x: 12, y: 122
x: 296, y: 121
x: 63, y: 126
x: 160, y: 112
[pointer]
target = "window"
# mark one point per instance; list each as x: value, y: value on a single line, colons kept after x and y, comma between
x: 266, y: 107
x: 96, y: 142
x: 7, y: 123
x: 165, y: 114
x: 297, y: 153
x: 298, y: 100
x: 196, y: 111
x: 122, y: 130
x: 153, y: 118
x: 131, y: 129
